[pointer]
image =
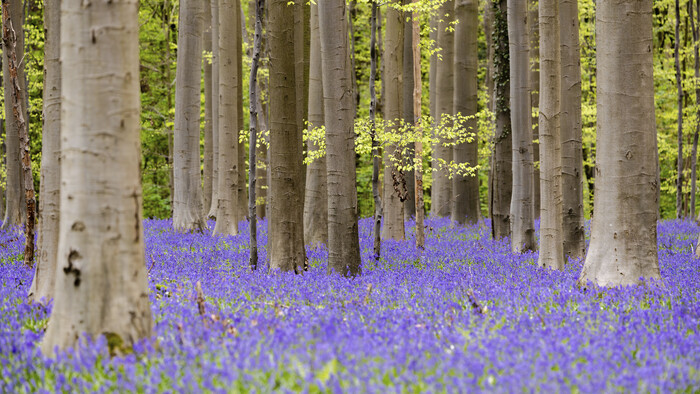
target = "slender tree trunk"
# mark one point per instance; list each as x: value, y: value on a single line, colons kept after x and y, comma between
x: 42, y: 287
x: 286, y: 220
x: 488, y: 34
x: 694, y: 152
x: 262, y: 167
x: 18, y: 97
x: 679, y: 88
x: 227, y: 214
x: 316, y: 200
x: 168, y: 82
x: 375, y: 143
x: 417, y: 124
x: 465, y: 199
x: 241, y: 205
x: 302, y: 34
x: 215, y: 105
x: 187, y: 210
x: 534, y: 25
x: 522, y: 209
x: 394, y: 182
x: 208, y: 143
x: 432, y: 73
x: 444, y: 105
x: 253, y: 138
x: 339, y: 102
x: 551, y: 240
x: 409, y: 205
x: 501, y: 177
x: 102, y: 281
x: 571, y: 133
x: 623, y: 247
x: 15, y: 208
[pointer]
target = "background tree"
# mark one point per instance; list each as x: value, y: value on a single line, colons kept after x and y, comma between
x: 623, y: 245
x: 208, y: 127
x: 343, y: 236
x: 187, y: 202
x: 409, y: 206
x: 215, y: 105
x: 101, y: 283
x: 253, y: 105
x: 286, y: 190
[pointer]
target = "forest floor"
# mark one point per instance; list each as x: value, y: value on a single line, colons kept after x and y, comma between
x: 465, y: 315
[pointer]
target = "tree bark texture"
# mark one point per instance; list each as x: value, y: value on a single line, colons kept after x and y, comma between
x: 394, y: 182
x: 15, y: 207
x: 286, y: 220
x: 343, y: 236
x: 501, y: 177
x: 465, y: 189
x: 623, y: 246
x: 522, y: 208
x: 534, y: 26
x: 101, y: 278
x: 227, y: 213
x: 302, y: 51
x: 253, y: 138
x: 417, y: 112
x: 409, y: 206
x: 49, y: 213
x: 316, y: 200
x: 208, y: 142
x: 376, y: 232
x: 215, y: 98
x: 551, y: 240
x: 241, y: 206
x: 571, y: 133
x: 187, y: 209
x: 441, y: 199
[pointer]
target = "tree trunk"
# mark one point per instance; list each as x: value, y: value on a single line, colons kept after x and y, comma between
x: 393, y: 65
x: 215, y: 105
x: 679, y: 88
x: 208, y: 143
x: 261, y: 154
x: 694, y: 152
x: 375, y: 142
x: 42, y: 287
x: 409, y: 205
x: 241, y: 205
x: 302, y: 34
x: 316, y: 200
x: 286, y: 227
x: 187, y: 209
x: 227, y: 214
x: 253, y: 138
x: 551, y: 248
x: 465, y: 199
x: 534, y: 26
x: 339, y: 104
x: 623, y: 247
x: 102, y: 281
x: 522, y: 209
x: 571, y: 134
x: 501, y: 176
x: 417, y: 124
x: 444, y: 105
x: 15, y: 207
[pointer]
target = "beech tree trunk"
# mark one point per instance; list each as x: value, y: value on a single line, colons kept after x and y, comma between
x: 15, y: 207
x: 316, y: 200
x: 623, y: 247
x: 571, y: 133
x: 522, y: 209
x: 501, y: 177
x: 694, y: 151
x: 343, y: 236
x: 679, y: 88
x: 444, y: 105
x: 286, y: 193
x: 241, y: 206
x: 215, y: 97
x: 409, y: 205
x: 253, y: 138
x: 227, y: 213
x: 417, y: 112
x: 551, y: 240
x: 101, y: 282
x: 534, y: 26
x: 375, y: 142
x: 394, y: 182
x: 465, y: 200
x: 208, y: 142
x: 42, y: 287
x: 187, y: 209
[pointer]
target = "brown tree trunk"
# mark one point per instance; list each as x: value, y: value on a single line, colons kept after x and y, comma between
x: 417, y: 110
x: 253, y: 138
x: 215, y: 97
x: 679, y: 88
x: 208, y: 142
x: 375, y: 143
x: 409, y: 205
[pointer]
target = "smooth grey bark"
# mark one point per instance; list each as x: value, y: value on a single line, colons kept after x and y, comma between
x: 343, y: 236
x: 551, y: 240
x: 227, y: 213
x: 534, y: 25
x: 623, y: 247
x: 215, y: 97
x: 187, y: 203
x: 101, y: 278
x: 571, y: 133
x: 522, y: 209
x: 302, y: 34
x: 261, y: 154
x: 441, y: 198
x: 42, y: 287
x: 432, y: 70
x: 501, y: 176
x: 15, y: 208
x: 316, y: 199
x: 376, y: 196
x: 417, y: 112
x: 208, y: 138
x: 241, y: 207
x: 393, y: 184
x: 253, y: 137
x: 286, y: 193
x: 409, y: 206
x: 465, y: 189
